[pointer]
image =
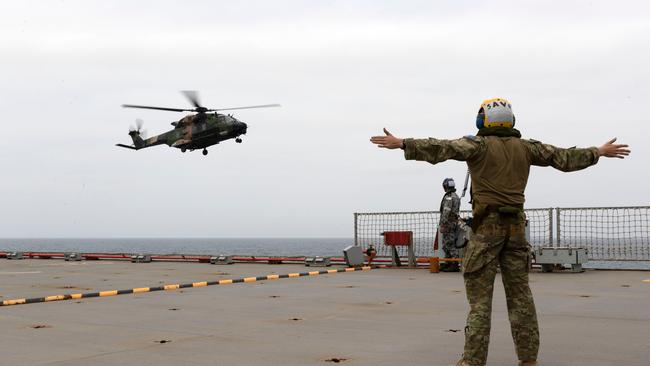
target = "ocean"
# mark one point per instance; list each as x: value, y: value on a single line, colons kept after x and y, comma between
x: 229, y: 246
x: 216, y: 246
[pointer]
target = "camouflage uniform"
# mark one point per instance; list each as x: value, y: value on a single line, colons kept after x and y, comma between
x: 449, y: 208
x: 499, y: 167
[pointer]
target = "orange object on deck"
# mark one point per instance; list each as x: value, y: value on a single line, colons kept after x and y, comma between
x: 434, y: 264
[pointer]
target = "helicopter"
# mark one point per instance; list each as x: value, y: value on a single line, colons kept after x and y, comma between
x: 194, y: 131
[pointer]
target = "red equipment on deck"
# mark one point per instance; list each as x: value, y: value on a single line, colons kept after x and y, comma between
x: 400, y: 238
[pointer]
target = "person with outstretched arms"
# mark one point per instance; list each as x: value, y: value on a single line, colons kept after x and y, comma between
x: 499, y: 162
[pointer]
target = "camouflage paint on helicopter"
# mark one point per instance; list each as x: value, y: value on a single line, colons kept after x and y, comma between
x: 196, y: 131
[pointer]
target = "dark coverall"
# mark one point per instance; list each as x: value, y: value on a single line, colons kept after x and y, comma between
x: 449, y: 209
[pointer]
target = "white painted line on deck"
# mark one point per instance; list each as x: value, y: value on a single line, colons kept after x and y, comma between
x: 30, y: 272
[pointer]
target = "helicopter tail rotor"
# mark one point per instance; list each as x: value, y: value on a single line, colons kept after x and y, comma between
x: 137, y: 134
x: 139, y: 123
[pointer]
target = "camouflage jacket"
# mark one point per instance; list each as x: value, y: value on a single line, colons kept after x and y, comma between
x: 449, y: 208
x: 499, y: 166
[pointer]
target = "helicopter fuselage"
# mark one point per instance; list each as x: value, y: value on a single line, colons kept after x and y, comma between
x: 197, y: 131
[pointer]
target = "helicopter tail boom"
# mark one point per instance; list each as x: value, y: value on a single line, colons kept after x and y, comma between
x: 127, y: 146
x: 138, y: 142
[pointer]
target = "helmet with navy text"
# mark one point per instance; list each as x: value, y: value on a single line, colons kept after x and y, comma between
x: 495, y: 112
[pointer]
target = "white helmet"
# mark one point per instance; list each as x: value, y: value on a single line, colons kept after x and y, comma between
x: 495, y: 112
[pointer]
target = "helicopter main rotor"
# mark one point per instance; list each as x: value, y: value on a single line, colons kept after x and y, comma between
x: 193, y: 97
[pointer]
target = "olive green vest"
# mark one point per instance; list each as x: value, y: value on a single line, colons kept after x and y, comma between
x: 500, y: 174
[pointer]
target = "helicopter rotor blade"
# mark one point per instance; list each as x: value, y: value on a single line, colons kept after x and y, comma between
x: 139, y: 123
x: 157, y: 108
x: 193, y: 96
x: 249, y: 107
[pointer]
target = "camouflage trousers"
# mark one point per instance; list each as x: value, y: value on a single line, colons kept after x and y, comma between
x: 449, y: 248
x: 449, y: 242
x: 499, y: 241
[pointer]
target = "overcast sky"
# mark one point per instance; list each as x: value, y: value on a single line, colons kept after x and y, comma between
x: 576, y: 72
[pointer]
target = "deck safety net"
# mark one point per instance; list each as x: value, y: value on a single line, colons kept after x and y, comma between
x: 609, y: 233
x: 369, y: 227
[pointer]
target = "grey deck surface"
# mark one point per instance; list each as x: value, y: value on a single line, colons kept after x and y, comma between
x: 378, y: 317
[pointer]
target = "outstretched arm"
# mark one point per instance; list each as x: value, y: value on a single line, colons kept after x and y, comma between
x: 432, y: 150
x: 388, y: 142
x: 611, y: 150
x: 569, y: 160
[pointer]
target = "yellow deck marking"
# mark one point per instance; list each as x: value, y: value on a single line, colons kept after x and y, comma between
x: 648, y: 280
x: 175, y: 286
x: 54, y: 298
x: 14, y: 302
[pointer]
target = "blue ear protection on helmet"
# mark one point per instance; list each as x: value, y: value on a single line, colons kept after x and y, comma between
x: 480, y: 119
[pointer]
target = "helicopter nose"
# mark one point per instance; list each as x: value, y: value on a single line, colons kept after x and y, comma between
x: 242, y: 128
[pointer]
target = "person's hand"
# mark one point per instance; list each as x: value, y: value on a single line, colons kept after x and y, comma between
x: 389, y: 141
x: 611, y: 150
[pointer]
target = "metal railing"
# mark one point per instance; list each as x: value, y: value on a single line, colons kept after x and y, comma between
x: 609, y: 233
